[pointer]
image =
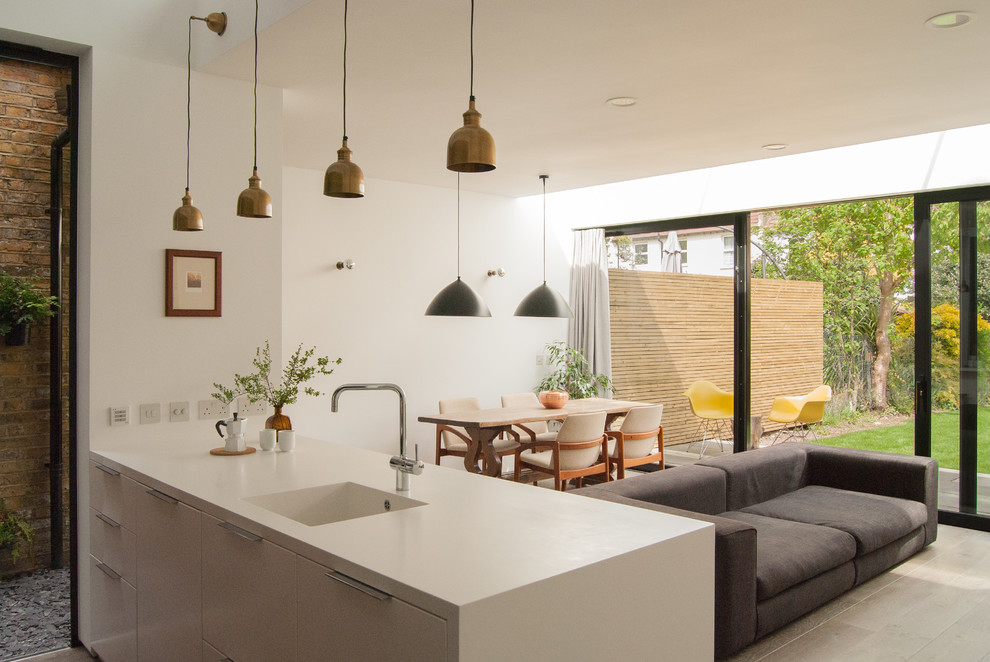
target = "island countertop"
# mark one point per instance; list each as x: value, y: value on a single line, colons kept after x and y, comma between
x: 476, y: 537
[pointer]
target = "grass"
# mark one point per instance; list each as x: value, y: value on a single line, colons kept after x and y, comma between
x: 945, y: 439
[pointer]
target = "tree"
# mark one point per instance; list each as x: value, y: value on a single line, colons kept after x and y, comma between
x: 623, y: 252
x: 862, y: 252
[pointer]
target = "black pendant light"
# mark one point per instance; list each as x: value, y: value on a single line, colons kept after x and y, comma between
x: 344, y: 178
x: 188, y: 218
x: 543, y: 301
x: 471, y: 148
x: 254, y: 201
x: 458, y: 299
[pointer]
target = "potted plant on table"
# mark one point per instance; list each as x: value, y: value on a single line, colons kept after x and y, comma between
x: 20, y: 306
x: 15, y: 533
x: 572, y: 378
x: 258, y: 385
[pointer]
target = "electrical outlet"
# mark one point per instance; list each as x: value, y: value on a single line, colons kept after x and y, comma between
x: 247, y: 408
x: 150, y: 413
x: 213, y: 409
x: 178, y: 411
x: 539, y: 359
x: 119, y: 416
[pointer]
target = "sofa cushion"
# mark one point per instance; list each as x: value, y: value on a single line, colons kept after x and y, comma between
x: 873, y: 520
x: 690, y: 487
x: 788, y: 553
x: 759, y: 475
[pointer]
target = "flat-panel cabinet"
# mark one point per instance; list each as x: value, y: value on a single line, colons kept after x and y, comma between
x: 249, y: 594
x: 169, y: 569
x: 341, y: 618
x: 113, y: 624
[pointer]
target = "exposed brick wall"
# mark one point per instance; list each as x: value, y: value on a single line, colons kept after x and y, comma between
x: 29, y: 121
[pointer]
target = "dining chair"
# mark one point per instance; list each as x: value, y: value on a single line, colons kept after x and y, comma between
x: 634, y: 442
x: 452, y: 440
x: 580, y: 449
x: 799, y: 413
x: 533, y: 431
x: 715, y: 409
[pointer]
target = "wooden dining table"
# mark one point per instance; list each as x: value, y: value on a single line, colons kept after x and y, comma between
x: 484, y: 425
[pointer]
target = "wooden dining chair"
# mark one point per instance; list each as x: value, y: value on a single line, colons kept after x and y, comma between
x: 452, y: 440
x: 580, y: 449
x: 533, y: 431
x: 633, y: 444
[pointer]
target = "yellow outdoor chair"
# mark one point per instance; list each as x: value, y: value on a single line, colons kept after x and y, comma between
x: 715, y: 409
x: 798, y: 414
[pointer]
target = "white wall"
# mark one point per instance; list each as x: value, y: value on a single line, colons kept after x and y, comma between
x: 403, y: 239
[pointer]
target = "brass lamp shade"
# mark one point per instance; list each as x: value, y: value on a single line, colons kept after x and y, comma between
x: 458, y: 300
x: 471, y: 148
x: 254, y: 201
x: 187, y: 218
x: 543, y: 302
x: 344, y: 178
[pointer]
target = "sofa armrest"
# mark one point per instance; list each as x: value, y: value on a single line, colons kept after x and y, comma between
x: 692, y: 488
x: 901, y: 476
x: 735, y: 569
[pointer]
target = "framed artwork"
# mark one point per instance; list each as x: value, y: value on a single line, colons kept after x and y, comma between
x: 192, y: 283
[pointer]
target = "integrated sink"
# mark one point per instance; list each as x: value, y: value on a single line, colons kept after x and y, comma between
x: 326, y: 504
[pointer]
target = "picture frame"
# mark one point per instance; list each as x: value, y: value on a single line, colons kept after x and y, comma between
x: 192, y: 283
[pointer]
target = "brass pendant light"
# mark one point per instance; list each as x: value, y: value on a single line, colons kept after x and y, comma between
x: 471, y: 148
x: 543, y: 301
x: 344, y: 178
x: 458, y: 299
x: 254, y: 201
x: 188, y: 218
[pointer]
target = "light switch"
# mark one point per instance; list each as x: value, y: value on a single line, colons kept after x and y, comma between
x: 178, y: 411
x: 151, y: 413
x: 119, y: 416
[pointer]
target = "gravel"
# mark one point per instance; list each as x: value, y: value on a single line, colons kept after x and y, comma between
x: 34, y: 613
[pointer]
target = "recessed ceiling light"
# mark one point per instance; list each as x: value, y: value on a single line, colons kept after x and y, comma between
x: 622, y: 102
x: 774, y: 147
x: 950, y: 19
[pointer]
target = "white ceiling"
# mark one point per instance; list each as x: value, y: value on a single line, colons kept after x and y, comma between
x: 715, y: 79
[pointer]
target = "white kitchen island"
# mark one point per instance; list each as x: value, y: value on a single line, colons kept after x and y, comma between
x: 485, y: 569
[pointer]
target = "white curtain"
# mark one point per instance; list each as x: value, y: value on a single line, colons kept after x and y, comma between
x: 588, y: 330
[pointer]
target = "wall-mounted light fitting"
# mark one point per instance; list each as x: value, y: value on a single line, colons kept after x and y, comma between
x: 500, y: 272
x: 188, y: 218
x: 346, y: 264
x: 254, y: 201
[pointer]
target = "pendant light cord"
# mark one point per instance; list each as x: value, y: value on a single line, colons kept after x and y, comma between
x: 472, y: 50
x: 188, y: 98
x: 458, y: 226
x: 255, y: 84
x: 344, y: 113
x: 544, y: 178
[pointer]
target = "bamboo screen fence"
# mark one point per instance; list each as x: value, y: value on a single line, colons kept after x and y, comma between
x: 669, y: 330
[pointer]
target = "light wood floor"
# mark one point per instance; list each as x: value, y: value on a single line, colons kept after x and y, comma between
x: 934, y: 606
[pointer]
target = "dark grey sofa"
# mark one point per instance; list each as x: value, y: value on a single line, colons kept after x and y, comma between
x: 795, y: 525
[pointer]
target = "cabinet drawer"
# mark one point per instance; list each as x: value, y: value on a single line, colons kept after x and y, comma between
x: 351, y: 621
x: 112, y: 494
x: 249, y: 594
x: 113, y: 544
x: 211, y: 654
x: 113, y: 614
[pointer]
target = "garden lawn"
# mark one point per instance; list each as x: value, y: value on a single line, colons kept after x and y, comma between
x: 945, y: 439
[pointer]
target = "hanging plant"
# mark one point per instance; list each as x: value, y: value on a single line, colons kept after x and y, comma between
x: 21, y: 304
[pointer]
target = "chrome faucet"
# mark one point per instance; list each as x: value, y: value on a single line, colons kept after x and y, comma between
x: 404, y: 466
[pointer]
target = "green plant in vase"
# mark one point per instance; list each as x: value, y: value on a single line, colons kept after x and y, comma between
x: 15, y: 533
x: 259, y: 386
x: 21, y: 305
x: 572, y: 374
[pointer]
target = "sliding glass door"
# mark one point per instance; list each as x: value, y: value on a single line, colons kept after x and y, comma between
x: 953, y: 345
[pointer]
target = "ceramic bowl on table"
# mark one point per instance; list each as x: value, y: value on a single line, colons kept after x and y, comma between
x: 553, y: 399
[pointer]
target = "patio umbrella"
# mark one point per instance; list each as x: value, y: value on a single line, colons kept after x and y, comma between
x: 670, y: 259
